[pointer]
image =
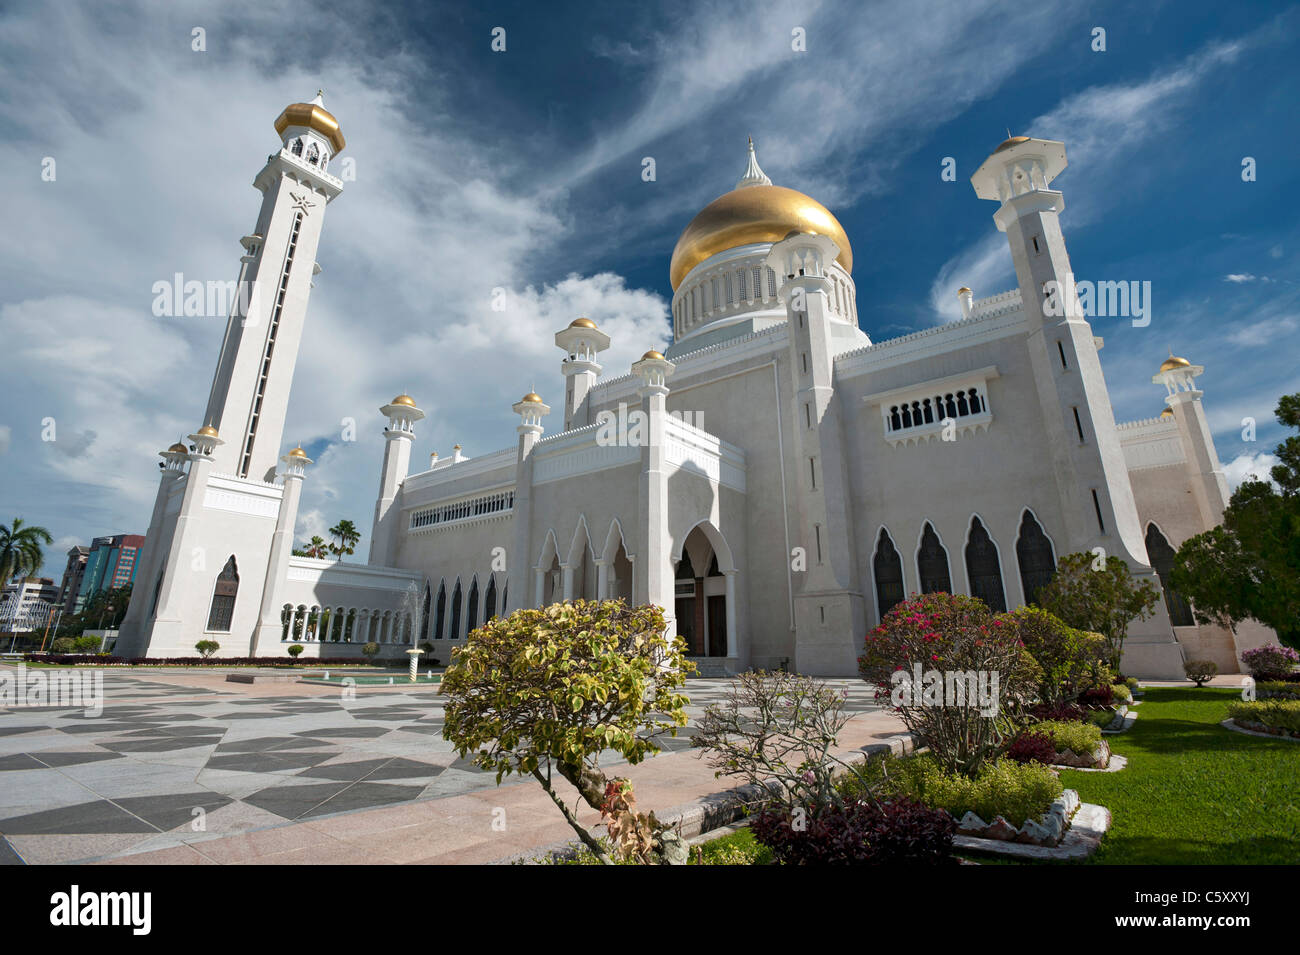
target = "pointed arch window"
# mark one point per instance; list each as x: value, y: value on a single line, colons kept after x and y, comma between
x: 505, y: 596
x: 296, y: 148
x: 490, y: 602
x: 1035, y: 556
x: 313, y: 155
x: 424, y: 628
x: 472, y: 615
x: 223, y: 597
x: 440, y: 610
x: 455, y: 613
x: 888, y: 567
x: 1162, y: 556
x: 983, y: 568
x: 932, y: 562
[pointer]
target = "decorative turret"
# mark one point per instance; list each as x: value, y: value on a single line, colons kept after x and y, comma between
x: 402, y: 414
x: 654, y: 371
x: 206, y: 440
x: 581, y: 342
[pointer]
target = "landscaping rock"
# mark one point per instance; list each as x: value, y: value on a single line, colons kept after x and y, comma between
x: 1032, y: 833
x: 971, y: 825
x: 1001, y: 830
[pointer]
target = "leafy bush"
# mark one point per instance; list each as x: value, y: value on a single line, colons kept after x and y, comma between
x: 946, y: 636
x: 63, y: 645
x: 207, y: 647
x: 896, y: 832
x: 1133, y: 684
x: 1069, y: 660
x: 1031, y: 747
x: 87, y: 645
x: 1270, y: 662
x: 1066, y: 712
x: 1266, y: 689
x: 1103, y: 599
x: 1015, y: 791
x: 1200, y: 671
x: 1278, y: 714
x: 777, y: 728
x: 1081, y: 738
x: 370, y: 650
x: 739, y: 848
x: 547, y: 690
x: 295, y: 649
x: 1100, y: 695
x: 1120, y: 693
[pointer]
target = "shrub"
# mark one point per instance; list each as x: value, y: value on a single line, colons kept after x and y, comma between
x: 897, y: 832
x: 1104, y: 599
x: 1277, y: 714
x: 1080, y: 738
x: 777, y: 728
x: 370, y: 650
x: 295, y: 649
x: 1066, y: 712
x: 207, y: 647
x: 548, y: 690
x: 945, y: 636
x: 1120, y: 693
x: 1031, y: 747
x: 63, y: 645
x: 87, y: 645
x: 1101, y: 695
x: 1068, y: 659
x: 1200, y: 671
x: 1270, y: 662
x: 739, y: 848
x: 1015, y: 791
x: 1133, y: 684
x: 1267, y: 689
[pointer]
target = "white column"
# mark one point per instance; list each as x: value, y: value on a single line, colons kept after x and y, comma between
x: 602, y: 579
x: 732, y: 648
x: 568, y: 581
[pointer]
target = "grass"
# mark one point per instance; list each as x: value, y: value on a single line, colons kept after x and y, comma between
x: 1194, y: 793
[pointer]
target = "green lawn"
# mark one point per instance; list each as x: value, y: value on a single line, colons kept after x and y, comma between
x: 1193, y: 792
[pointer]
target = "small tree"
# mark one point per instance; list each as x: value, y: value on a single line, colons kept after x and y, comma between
x: 208, y: 647
x: 1200, y: 671
x: 294, y: 650
x: 370, y: 651
x: 1104, y: 600
x: 975, y: 676
x: 545, y: 691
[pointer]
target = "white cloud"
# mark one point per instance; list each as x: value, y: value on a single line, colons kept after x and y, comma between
x: 1239, y: 277
x: 1264, y: 331
x: 1249, y: 467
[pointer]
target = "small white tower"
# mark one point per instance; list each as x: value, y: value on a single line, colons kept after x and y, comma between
x: 654, y: 573
x: 267, y: 634
x: 581, y: 342
x: 398, y: 437
x: 1209, y: 483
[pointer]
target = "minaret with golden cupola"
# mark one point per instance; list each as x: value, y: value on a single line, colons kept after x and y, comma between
x: 250, y: 389
x: 581, y: 342
x: 1208, y: 483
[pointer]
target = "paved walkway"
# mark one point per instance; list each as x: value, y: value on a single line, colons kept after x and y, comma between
x: 184, y: 767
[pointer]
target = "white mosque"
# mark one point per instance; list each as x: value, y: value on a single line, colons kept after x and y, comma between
x: 777, y: 481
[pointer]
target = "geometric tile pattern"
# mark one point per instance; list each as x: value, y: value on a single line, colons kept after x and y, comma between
x: 163, y: 763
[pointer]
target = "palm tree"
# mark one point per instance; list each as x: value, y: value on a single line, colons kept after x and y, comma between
x: 316, y: 547
x: 347, y: 535
x: 20, y: 549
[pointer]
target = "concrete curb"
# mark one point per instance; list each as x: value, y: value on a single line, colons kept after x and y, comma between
x: 1089, y: 824
x: 1231, y: 724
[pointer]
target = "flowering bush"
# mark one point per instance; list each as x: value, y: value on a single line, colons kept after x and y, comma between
x: 958, y: 676
x: 1270, y: 662
x: 897, y: 832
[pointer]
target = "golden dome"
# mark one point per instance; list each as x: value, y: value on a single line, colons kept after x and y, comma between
x: 315, y: 116
x: 1167, y: 413
x: 531, y: 398
x: 297, y: 452
x: 963, y: 290
x: 1013, y: 141
x: 1173, y: 363
x: 406, y: 400
x: 758, y: 213
x: 652, y: 355
x: 208, y: 431
x: 178, y: 448
x: 582, y: 323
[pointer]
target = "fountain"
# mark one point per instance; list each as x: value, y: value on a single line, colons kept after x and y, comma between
x: 413, y: 608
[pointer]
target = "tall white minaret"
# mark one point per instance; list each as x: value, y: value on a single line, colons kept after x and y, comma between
x: 402, y: 414
x: 250, y: 389
x: 581, y: 342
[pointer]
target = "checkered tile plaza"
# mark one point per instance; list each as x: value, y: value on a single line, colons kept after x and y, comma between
x: 252, y: 758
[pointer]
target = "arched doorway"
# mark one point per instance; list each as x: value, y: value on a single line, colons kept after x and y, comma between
x: 1162, y: 554
x: 703, y: 589
x: 983, y: 569
x: 1035, y: 555
x: 888, y: 567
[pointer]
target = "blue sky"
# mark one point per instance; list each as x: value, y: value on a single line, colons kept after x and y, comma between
x: 521, y: 170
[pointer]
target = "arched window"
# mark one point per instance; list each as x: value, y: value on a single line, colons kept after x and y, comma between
x: 1162, y: 559
x: 889, y: 574
x: 223, y: 597
x: 296, y: 148
x: 932, y: 562
x: 505, y: 596
x: 428, y: 601
x: 313, y: 155
x: 440, y: 610
x: 490, y: 603
x: 983, y: 568
x: 455, y: 613
x: 472, y: 616
x: 1034, y: 554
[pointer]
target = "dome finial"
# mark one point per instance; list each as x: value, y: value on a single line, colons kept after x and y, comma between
x: 320, y: 98
x: 754, y: 175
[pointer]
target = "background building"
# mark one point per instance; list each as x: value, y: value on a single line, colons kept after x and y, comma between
x: 73, y: 573
x: 25, y: 604
x: 111, y: 563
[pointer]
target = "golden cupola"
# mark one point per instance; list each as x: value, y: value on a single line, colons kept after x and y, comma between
x: 755, y: 211
x: 313, y: 116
